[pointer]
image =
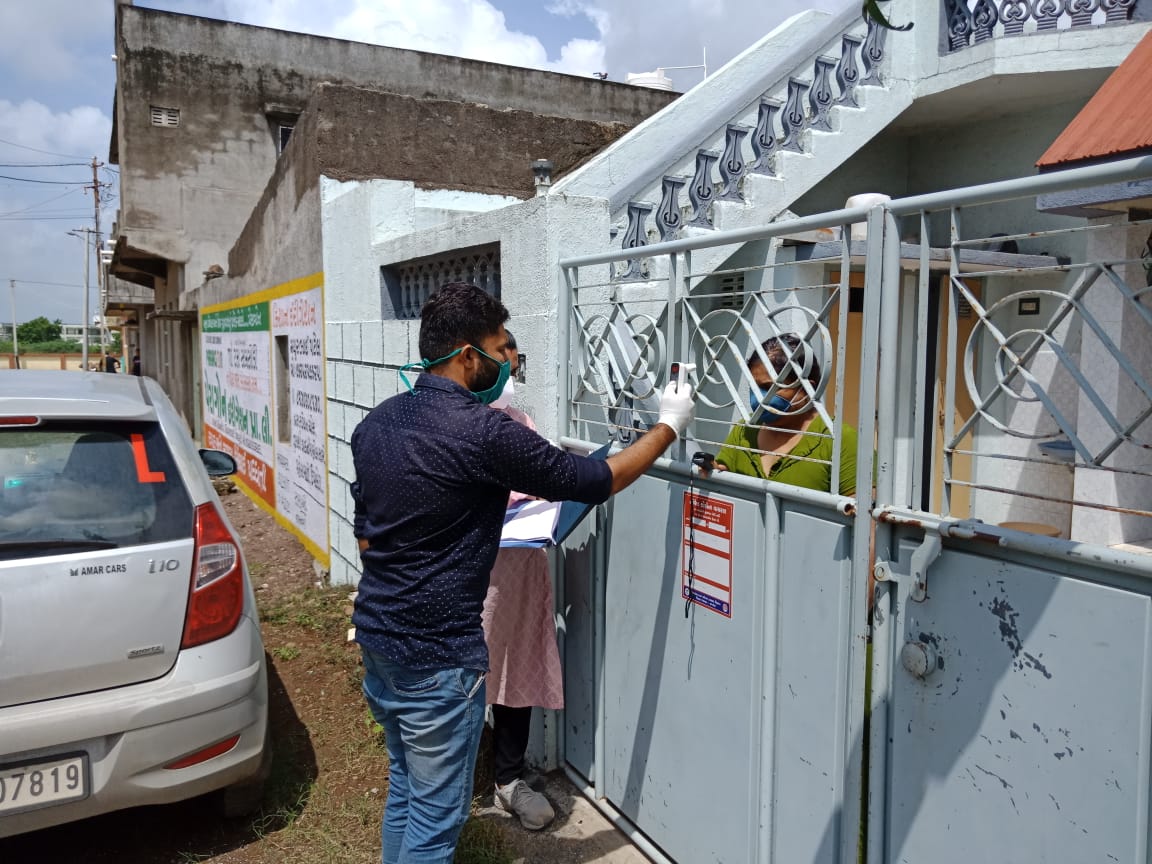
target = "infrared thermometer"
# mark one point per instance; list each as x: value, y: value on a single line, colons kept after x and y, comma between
x: 680, y: 373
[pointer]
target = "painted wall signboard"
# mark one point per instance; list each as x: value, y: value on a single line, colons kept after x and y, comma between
x: 262, y: 358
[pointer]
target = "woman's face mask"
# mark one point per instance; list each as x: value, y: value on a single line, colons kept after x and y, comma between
x: 777, y: 404
x: 505, y: 397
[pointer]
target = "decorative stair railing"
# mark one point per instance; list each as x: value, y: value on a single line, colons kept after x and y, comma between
x: 803, y: 101
x: 970, y: 22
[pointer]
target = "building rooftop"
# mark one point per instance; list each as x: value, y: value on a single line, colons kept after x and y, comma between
x: 1115, y: 121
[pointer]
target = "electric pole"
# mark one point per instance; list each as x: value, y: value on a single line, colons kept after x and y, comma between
x: 102, y: 288
x: 87, y: 234
x: 15, y: 340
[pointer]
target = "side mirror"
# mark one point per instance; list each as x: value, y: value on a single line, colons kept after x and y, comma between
x: 217, y: 463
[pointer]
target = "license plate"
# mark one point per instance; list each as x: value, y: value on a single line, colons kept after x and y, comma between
x: 28, y: 785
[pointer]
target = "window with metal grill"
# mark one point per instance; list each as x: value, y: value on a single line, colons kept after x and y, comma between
x: 169, y: 117
x: 406, y: 285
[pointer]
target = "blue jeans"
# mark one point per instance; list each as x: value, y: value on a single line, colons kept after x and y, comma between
x: 432, y: 722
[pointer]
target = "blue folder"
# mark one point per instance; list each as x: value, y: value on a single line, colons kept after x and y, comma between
x: 571, y: 514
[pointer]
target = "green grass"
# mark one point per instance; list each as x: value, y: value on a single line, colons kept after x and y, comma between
x: 482, y: 843
x: 321, y: 818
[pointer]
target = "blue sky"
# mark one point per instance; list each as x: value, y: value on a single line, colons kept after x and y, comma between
x: 57, y: 78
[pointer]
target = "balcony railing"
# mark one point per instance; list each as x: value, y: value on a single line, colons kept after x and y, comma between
x: 970, y: 22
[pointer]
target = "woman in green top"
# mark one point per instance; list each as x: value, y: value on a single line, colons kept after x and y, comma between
x: 798, y: 444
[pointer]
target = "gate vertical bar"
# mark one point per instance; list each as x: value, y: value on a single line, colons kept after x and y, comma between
x: 564, y: 337
x: 876, y: 297
x: 599, y: 617
x: 841, y: 343
x: 768, y: 676
x: 920, y: 407
x: 854, y: 742
x: 950, y: 370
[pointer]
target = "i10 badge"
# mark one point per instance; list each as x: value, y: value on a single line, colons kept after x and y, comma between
x: 163, y: 565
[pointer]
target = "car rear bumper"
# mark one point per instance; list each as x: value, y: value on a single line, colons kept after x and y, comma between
x: 130, y: 733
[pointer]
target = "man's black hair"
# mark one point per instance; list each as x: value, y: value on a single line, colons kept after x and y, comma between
x: 459, y: 313
x: 781, y: 366
x: 511, y: 339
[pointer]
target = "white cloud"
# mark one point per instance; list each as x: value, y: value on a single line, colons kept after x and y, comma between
x: 82, y: 131
x: 39, y: 38
x: 464, y: 28
x: 645, y: 34
x: 35, y: 247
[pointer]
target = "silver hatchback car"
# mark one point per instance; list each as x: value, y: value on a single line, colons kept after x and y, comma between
x: 131, y: 665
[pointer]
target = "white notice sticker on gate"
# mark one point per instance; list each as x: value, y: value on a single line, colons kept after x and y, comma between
x: 706, y: 552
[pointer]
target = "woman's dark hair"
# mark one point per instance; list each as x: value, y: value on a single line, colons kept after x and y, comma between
x: 775, y: 351
x: 511, y: 339
x: 459, y: 313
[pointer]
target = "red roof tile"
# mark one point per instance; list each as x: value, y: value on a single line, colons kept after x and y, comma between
x: 1118, y: 119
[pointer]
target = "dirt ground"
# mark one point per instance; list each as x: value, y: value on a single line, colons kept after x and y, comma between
x: 329, y: 775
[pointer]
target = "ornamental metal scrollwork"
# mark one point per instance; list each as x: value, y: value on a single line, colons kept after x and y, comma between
x: 820, y: 97
x: 1117, y: 10
x: 1014, y: 13
x: 1047, y: 13
x: 847, y: 72
x: 715, y: 346
x: 668, y: 218
x: 959, y: 24
x: 621, y: 362
x: 732, y: 165
x: 1082, y: 11
x: 635, y: 235
x: 983, y: 20
x: 793, y: 119
x: 1013, y: 381
x: 701, y: 190
x: 764, y: 141
x: 872, y: 54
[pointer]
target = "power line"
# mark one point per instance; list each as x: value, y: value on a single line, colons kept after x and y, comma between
x: 43, y: 164
x: 41, y: 203
x: 38, y: 150
x: 50, y: 182
x: 50, y: 284
x: 71, y: 218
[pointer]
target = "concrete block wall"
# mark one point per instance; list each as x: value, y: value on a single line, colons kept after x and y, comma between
x: 359, y: 379
x: 368, y: 225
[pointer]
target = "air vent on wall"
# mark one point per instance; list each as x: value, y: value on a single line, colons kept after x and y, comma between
x: 165, y: 116
x: 731, y: 291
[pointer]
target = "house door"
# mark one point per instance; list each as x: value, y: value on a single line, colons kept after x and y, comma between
x: 960, y: 497
x: 963, y: 408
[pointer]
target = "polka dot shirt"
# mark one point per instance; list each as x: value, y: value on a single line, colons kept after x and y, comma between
x: 434, y: 468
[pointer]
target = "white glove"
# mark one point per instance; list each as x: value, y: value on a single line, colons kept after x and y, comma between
x: 677, y: 407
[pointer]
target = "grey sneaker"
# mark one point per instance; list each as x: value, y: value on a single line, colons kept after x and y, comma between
x: 534, y: 779
x: 533, y: 808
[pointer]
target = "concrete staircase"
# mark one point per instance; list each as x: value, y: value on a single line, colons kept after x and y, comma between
x: 741, y: 147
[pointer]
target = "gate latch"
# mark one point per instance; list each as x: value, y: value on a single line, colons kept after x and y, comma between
x: 922, y: 558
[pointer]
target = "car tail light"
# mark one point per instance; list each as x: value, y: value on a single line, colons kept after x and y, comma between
x: 20, y: 421
x: 218, y: 749
x: 216, y: 599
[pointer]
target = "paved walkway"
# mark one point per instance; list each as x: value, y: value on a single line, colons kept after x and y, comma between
x: 580, y: 834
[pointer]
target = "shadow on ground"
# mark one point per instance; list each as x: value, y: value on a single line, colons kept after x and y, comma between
x: 188, y: 830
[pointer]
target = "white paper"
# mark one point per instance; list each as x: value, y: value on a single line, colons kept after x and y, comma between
x: 533, y: 521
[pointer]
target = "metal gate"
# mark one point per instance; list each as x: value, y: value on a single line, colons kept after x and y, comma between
x: 760, y: 672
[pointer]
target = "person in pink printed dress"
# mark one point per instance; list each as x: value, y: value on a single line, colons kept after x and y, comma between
x: 524, y: 662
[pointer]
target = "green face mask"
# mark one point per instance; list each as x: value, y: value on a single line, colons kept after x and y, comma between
x: 486, y: 396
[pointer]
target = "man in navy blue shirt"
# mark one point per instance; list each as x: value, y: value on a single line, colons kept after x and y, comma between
x: 434, y: 468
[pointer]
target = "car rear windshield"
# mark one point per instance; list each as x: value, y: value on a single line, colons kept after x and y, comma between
x: 75, y: 486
